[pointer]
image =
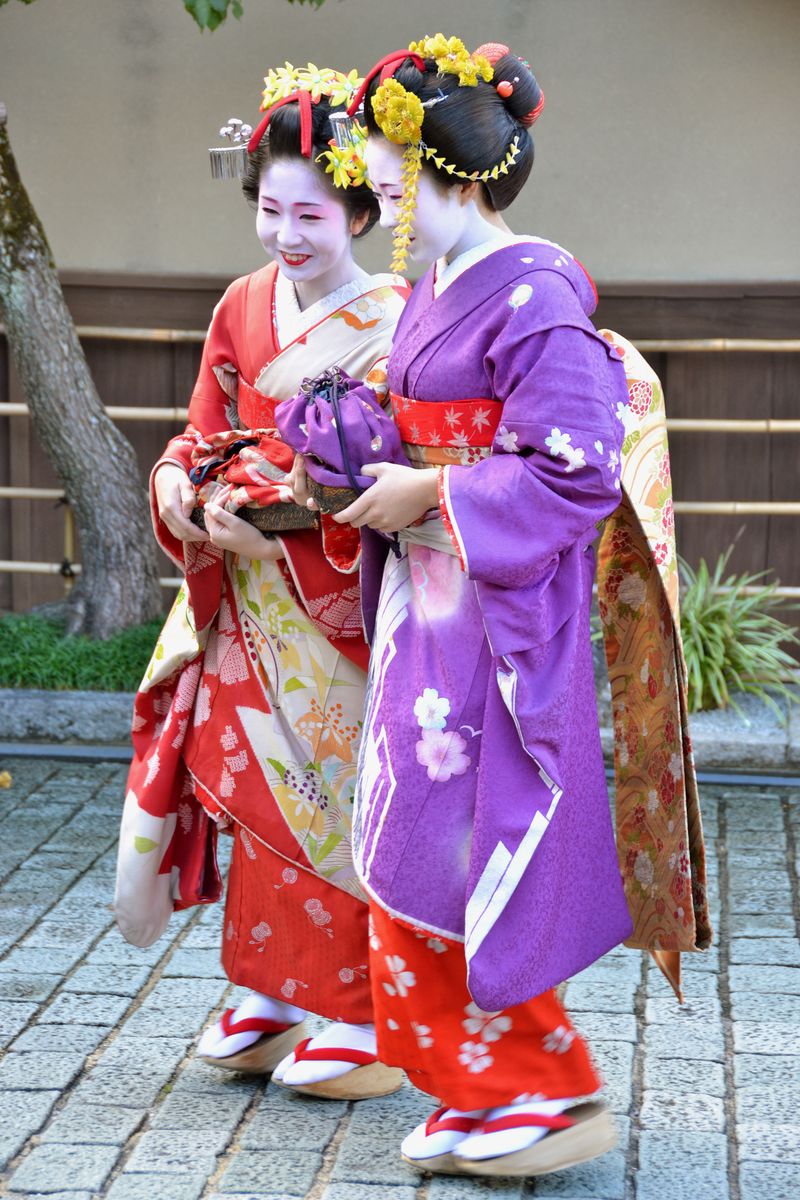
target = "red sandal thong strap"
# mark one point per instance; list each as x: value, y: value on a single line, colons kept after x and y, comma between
x: 536, y: 1119
x: 249, y: 1024
x: 361, y: 1058
x: 437, y: 1122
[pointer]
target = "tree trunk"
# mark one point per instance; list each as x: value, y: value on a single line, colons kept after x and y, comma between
x: 118, y: 585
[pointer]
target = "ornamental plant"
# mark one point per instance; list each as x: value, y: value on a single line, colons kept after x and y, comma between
x: 732, y: 638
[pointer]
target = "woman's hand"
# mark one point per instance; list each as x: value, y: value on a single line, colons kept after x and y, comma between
x: 298, y: 482
x: 229, y: 532
x: 175, y: 498
x: 399, y: 497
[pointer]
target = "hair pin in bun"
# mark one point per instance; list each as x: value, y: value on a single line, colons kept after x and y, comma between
x: 505, y: 88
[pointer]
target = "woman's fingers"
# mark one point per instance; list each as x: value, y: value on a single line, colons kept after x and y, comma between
x: 298, y: 482
x: 355, y: 513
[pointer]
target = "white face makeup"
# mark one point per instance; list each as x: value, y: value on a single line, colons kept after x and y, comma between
x: 439, y: 216
x: 305, y: 229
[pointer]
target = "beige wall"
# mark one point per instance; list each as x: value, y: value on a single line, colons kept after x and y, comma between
x: 667, y: 151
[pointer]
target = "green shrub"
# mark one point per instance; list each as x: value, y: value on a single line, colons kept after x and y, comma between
x: 35, y: 653
x: 732, y: 639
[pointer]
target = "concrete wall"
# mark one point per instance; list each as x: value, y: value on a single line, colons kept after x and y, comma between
x: 667, y: 149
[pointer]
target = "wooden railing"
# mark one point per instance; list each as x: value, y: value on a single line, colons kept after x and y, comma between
x: 68, y: 569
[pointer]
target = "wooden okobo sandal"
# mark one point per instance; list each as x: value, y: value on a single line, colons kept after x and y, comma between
x: 262, y: 1056
x: 577, y: 1135
x: 370, y: 1077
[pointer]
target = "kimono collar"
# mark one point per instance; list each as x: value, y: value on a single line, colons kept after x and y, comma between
x: 428, y: 317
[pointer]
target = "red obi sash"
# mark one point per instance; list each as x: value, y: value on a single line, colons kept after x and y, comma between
x: 459, y: 424
x: 256, y: 411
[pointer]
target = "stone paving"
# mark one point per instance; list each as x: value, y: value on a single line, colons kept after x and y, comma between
x: 103, y: 1099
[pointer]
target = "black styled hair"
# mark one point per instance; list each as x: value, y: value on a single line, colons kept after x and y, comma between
x: 282, y: 141
x: 472, y: 128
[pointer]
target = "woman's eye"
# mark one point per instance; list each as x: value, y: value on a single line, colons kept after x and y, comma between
x: 310, y: 217
x: 271, y: 212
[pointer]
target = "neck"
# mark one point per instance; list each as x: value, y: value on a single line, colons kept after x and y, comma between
x: 309, y: 291
x: 475, y: 230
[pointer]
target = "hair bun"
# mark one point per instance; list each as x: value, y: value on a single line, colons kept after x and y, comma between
x: 526, y: 101
x: 493, y: 51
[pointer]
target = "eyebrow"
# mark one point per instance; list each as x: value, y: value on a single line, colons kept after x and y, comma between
x: 296, y: 204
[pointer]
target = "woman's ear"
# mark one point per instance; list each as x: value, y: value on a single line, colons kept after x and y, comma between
x: 358, y: 222
x: 468, y: 191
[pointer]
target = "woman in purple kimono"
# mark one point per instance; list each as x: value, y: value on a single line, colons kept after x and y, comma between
x: 482, y: 831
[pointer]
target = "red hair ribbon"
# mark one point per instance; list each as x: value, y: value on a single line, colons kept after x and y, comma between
x: 303, y: 99
x: 387, y: 66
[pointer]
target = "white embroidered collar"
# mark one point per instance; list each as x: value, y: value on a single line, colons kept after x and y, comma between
x: 291, y: 322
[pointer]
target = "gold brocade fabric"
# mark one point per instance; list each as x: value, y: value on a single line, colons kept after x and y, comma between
x: 659, y: 828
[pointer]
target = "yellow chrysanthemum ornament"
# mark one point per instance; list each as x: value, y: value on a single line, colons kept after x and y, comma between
x: 399, y: 114
x: 452, y: 58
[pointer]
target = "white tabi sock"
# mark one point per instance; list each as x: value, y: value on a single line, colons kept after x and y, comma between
x: 213, y: 1042
x: 340, y: 1036
x: 419, y: 1144
x: 509, y: 1141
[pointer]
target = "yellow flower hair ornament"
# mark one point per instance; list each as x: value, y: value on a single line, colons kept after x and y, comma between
x: 345, y: 160
x: 452, y: 58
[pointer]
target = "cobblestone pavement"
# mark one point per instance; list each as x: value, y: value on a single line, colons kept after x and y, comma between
x: 102, y: 1097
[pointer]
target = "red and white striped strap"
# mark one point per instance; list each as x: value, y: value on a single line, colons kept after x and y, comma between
x: 437, y: 1122
x: 361, y: 1058
x: 517, y: 1122
x: 249, y: 1024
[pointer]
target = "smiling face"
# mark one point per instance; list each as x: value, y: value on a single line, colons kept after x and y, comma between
x: 303, y: 226
x: 439, y: 214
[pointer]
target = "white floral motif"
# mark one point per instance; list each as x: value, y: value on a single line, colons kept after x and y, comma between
x: 442, y: 752
x: 559, y: 1041
x: 574, y: 457
x: 374, y: 941
x: 422, y: 1034
x: 643, y: 869
x: 431, y: 709
x: 452, y: 416
x: 627, y: 417
x: 318, y: 915
x: 459, y: 440
x: 490, y: 1025
x: 598, y: 447
x: 632, y: 591
x: 480, y: 417
x: 508, y: 440
x: 436, y: 945
x: 259, y: 934
x: 402, y: 979
x: 229, y: 740
x: 153, y: 767
x: 349, y: 974
x: 558, y: 441
x: 475, y: 1057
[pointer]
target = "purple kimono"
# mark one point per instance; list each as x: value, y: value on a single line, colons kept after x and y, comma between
x: 482, y: 812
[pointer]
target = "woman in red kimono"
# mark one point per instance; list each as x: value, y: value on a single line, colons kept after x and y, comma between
x: 250, y: 713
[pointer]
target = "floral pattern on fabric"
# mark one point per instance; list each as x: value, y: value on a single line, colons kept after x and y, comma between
x: 428, y: 1024
x: 659, y: 830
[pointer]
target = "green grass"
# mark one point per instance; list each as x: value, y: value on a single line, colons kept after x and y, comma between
x: 34, y: 653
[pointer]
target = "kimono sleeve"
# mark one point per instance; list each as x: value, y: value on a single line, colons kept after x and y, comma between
x: 216, y: 385
x: 553, y: 472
